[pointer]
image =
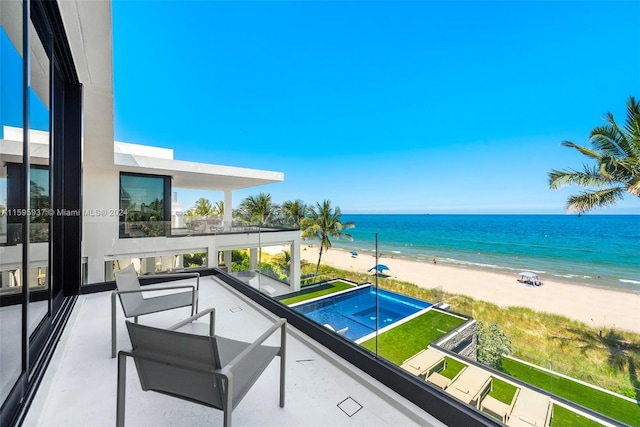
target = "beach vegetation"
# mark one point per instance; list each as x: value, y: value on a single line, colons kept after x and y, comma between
x: 493, y: 343
x: 324, y: 222
x: 616, y: 152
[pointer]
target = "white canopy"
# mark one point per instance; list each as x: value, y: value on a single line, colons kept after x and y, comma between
x: 528, y: 274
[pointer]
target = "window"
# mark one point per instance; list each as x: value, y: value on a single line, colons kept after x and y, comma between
x: 145, y: 207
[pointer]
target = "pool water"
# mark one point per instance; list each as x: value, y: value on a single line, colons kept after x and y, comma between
x: 357, y: 310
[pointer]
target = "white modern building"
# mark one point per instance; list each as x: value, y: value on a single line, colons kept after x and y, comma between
x: 112, y: 241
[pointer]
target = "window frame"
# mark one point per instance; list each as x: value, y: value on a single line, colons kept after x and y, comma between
x: 166, y: 205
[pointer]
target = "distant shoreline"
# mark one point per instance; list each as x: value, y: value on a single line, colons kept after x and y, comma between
x: 570, y: 281
x: 599, y: 306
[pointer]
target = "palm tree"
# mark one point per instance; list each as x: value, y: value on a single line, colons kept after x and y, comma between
x: 201, y: 208
x: 617, y: 169
x: 324, y: 222
x: 293, y: 211
x: 218, y: 208
x: 282, y: 262
x: 257, y: 209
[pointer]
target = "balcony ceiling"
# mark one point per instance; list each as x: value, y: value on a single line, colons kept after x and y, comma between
x: 199, y: 176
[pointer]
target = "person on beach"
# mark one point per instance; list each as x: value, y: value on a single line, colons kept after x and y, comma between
x: 435, y: 262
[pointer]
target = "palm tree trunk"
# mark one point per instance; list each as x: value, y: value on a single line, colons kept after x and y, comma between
x: 319, y: 258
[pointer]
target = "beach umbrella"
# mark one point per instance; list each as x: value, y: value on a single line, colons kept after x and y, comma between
x: 380, y: 268
x: 354, y: 253
x: 527, y: 276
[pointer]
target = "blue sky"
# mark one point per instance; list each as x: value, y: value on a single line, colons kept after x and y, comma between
x: 410, y: 107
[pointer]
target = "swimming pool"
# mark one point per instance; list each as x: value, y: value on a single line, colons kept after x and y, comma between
x: 357, y: 310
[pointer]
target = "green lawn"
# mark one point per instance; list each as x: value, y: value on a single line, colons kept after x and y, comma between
x: 502, y: 391
x: 321, y: 290
x: 403, y: 341
x: 565, y: 417
x: 605, y: 403
x: 453, y: 368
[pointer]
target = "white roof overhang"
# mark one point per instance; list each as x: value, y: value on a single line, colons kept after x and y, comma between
x: 198, y: 176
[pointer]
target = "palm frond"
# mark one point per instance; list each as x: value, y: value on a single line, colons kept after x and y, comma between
x: 586, y: 201
x: 583, y: 150
x: 608, y: 140
x: 632, y: 123
x: 589, y: 177
x: 617, y: 155
x: 634, y: 186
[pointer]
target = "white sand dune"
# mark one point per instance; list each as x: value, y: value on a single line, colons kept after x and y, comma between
x: 599, y: 307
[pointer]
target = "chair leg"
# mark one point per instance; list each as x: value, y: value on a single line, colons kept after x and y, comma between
x: 113, y: 325
x: 283, y: 357
x: 228, y: 410
x: 122, y: 384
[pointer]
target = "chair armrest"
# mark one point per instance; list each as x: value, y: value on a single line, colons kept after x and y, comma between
x: 280, y: 324
x: 212, y: 321
x: 164, y: 361
x: 173, y: 276
x: 164, y: 288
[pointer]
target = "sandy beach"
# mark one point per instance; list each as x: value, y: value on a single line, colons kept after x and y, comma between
x: 595, y: 306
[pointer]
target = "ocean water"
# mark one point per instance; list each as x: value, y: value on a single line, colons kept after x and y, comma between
x: 597, y: 250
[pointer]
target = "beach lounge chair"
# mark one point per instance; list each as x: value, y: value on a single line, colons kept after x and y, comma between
x: 471, y: 385
x: 209, y: 370
x: 424, y: 363
x: 134, y: 304
x: 498, y: 409
x: 438, y: 380
x: 531, y: 409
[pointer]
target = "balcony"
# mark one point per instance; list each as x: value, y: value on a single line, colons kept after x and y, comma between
x: 79, y: 387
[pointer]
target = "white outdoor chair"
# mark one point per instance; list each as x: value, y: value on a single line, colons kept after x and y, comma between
x: 134, y: 303
x: 206, y: 369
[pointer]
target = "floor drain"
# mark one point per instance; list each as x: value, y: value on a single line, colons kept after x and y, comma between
x: 235, y: 309
x: 349, y: 406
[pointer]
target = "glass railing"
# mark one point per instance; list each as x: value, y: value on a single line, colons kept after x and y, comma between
x: 195, y: 226
x: 428, y: 315
x: 156, y: 263
x: 184, y: 225
x: 428, y: 312
x: 400, y: 307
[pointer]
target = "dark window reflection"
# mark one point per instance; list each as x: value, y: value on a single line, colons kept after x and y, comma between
x: 142, y: 205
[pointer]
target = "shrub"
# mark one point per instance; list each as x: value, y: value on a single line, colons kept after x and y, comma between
x: 492, y: 344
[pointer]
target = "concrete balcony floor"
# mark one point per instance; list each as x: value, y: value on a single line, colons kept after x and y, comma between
x: 79, y: 387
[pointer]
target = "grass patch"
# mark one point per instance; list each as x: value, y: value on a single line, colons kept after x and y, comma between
x: 453, y: 368
x: 605, y: 403
x: 403, y: 341
x: 329, y: 288
x: 502, y: 391
x: 564, y: 417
